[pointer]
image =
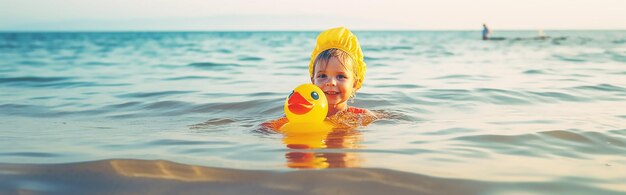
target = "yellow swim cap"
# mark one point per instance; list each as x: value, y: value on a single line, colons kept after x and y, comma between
x: 340, y: 38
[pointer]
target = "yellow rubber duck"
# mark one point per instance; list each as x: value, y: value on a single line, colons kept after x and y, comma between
x: 306, y: 108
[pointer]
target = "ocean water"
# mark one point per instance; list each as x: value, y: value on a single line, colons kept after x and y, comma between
x: 516, y: 116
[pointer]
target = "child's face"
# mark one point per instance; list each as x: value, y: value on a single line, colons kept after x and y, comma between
x: 335, y: 80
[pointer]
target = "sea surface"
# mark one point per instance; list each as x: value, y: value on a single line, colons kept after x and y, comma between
x: 162, y: 111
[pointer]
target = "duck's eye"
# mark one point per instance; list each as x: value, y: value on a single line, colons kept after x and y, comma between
x: 315, y: 96
x: 290, y: 94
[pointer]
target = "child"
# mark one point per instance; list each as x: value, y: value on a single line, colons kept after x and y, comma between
x: 338, y: 69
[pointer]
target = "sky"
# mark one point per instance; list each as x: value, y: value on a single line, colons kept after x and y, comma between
x: 218, y: 15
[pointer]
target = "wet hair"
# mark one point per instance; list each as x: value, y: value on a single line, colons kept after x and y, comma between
x: 343, y: 57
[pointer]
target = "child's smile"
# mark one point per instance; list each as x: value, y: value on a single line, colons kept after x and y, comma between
x: 331, y: 93
x: 333, y: 96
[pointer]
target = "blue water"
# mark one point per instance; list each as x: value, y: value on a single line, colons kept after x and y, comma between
x: 540, y: 112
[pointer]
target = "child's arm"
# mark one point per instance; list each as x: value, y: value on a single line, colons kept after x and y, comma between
x: 275, y: 124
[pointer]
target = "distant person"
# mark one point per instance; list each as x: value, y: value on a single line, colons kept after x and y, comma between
x: 541, y: 35
x: 486, y: 32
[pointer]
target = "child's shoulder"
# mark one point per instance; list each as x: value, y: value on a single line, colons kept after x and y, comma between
x: 275, y: 124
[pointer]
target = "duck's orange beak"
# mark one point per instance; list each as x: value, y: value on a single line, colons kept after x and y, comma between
x: 298, y: 105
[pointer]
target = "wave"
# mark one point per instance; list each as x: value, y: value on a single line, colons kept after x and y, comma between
x: 602, y: 88
x: 534, y: 71
x: 29, y: 154
x: 559, y: 96
x: 400, y: 86
x: 32, y: 63
x: 153, y: 94
x: 465, y: 77
x: 134, y: 176
x: 251, y: 58
x: 136, y: 109
x: 179, y: 142
x: 53, y: 82
x: 214, y: 66
x: 616, y: 56
x: 94, y: 63
x: 566, y: 143
x: 33, y: 79
x: 187, y: 78
x: 212, y: 123
x: 511, y: 97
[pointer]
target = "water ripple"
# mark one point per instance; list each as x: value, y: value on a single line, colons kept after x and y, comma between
x: 177, y: 142
x: 152, y: 94
x: 400, y: 86
x: 32, y: 63
x: 53, y: 82
x: 214, y: 66
x: 451, y: 131
x: 501, y: 96
x: 567, y: 136
x: 187, y: 78
x: 567, y: 143
x: 32, y: 79
x: 464, y: 77
x: 559, y: 96
x: 250, y: 58
x: 31, y: 154
x: 602, y: 87
x: 569, y: 58
x: 621, y: 132
x: 450, y: 94
x: 617, y: 56
x: 534, y: 71
x: 167, y: 105
x: 23, y: 110
x: 212, y: 122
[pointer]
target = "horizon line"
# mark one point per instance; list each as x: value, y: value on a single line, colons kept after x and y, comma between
x: 295, y: 30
